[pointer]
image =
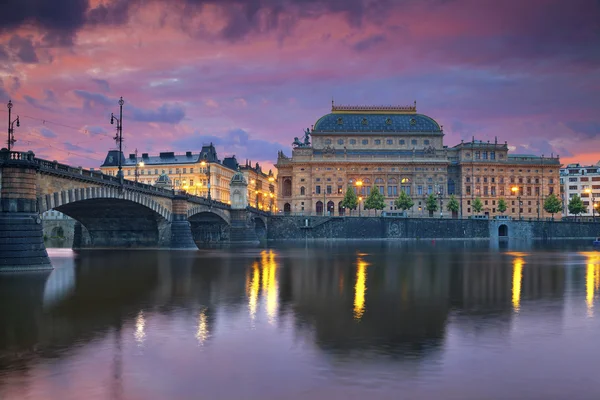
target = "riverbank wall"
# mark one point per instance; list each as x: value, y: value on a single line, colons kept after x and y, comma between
x: 281, y: 228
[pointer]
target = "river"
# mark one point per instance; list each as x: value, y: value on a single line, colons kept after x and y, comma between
x: 356, y: 320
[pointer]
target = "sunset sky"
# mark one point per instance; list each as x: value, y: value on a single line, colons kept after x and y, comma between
x: 251, y: 75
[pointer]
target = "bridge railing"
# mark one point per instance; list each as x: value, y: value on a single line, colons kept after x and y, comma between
x: 6, y: 155
x: 206, y: 202
x: 74, y: 172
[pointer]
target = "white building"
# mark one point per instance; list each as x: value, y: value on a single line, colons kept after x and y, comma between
x: 583, y: 181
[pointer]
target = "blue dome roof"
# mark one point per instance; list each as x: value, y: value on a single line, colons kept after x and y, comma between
x: 375, y: 120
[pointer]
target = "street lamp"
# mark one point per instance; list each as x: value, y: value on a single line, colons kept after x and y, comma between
x: 139, y: 164
x: 11, y: 130
x: 358, y: 185
x: 589, y: 192
x: 271, y: 190
x: 515, y: 190
x: 207, y: 164
x: 359, y: 201
x: 441, y: 204
x: 119, y: 136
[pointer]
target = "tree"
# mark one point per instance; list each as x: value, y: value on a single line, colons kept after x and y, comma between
x: 477, y: 205
x: 404, y: 202
x: 431, y: 204
x: 502, y: 205
x: 576, y: 206
x: 453, y: 205
x: 375, y: 200
x: 350, y: 200
x: 552, y: 204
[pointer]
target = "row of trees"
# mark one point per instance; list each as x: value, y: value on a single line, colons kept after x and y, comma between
x: 376, y: 201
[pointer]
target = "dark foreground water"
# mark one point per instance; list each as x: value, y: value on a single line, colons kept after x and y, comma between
x: 343, y: 321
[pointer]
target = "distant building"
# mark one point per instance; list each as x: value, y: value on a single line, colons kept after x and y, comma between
x: 192, y: 172
x: 394, y: 150
x: 583, y: 181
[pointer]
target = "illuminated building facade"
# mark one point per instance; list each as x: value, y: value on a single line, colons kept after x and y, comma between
x: 195, y: 173
x: 583, y: 181
x: 395, y: 149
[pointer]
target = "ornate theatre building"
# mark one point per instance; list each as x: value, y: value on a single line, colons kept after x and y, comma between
x: 394, y: 149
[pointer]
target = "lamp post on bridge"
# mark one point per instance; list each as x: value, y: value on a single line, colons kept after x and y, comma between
x: 137, y: 165
x: 206, y: 164
x: 119, y: 136
x: 271, y: 190
x: 11, y: 130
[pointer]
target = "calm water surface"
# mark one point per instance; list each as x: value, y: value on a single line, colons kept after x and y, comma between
x: 346, y: 321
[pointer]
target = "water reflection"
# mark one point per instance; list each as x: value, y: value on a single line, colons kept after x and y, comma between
x: 202, y: 334
x: 592, y: 281
x: 270, y: 284
x: 140, y: 325
x: 433, y: 321
x: 360, y: 288
x: 252, y: 288
x: 516, y: 285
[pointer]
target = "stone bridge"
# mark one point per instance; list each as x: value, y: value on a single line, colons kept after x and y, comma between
x: 110, y: 212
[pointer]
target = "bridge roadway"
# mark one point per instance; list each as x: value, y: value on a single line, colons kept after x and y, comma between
x: 110, y: 212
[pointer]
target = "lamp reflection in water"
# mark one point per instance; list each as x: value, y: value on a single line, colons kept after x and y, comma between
x: 202, y: 334
x: 270, y: 286
x: 252, y: 286
x: 140, y: 325
x: 360, y: 288
x: 592, y: 282
x: 516, y: 283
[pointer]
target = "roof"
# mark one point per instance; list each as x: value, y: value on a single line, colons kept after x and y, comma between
x: 208, y: 154
x: 375, y: 119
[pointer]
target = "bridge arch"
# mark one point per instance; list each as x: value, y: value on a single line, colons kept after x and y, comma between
x: 225, y: 216
x: 65, y: 197
x: 112, y: 217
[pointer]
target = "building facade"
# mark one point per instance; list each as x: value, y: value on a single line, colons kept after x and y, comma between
x: 262, y: 193
x: 583, y: 181
x: 195, y: 173
x: 395, y: 149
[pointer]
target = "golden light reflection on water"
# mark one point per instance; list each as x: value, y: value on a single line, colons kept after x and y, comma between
x: 252, y: 288
x: 270, y: 285
x: 202, y: 334
x: 140, y: 325
x: 516, y: 283
x: 359, y: 289
x: 592, y: 281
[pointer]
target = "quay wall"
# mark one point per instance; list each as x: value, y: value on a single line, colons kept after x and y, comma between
x: 317, y: 228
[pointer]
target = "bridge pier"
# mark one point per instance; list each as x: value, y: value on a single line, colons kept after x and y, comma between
x: 21, y: 235
x: 181, y: 230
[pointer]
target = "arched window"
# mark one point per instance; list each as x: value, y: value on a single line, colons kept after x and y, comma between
x: 405, y: 180
x: 302, y: 191
x: 393, y: 181
x: 379, y: 181
x: 319, y: 207
x: 366, y: 181
x: 287, y: 187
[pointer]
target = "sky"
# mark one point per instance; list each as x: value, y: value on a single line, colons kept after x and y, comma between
x: 250, y: 75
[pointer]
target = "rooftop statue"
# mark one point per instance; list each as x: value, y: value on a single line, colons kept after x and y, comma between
x: 305, y: 143
x: 306, y: 137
